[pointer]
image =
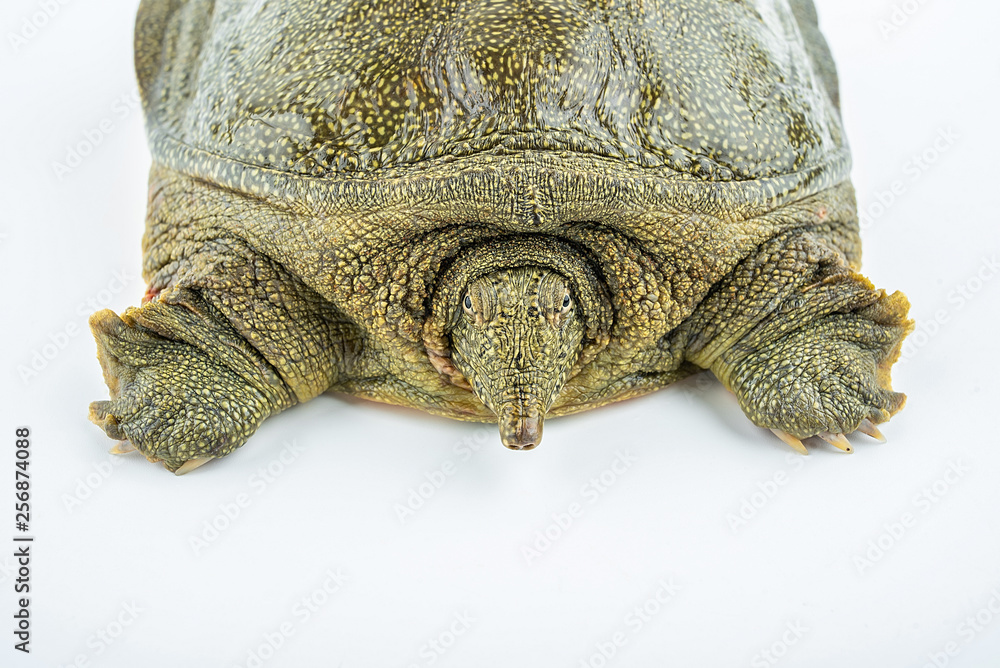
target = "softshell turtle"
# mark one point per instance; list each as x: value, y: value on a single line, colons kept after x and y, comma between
x: 492, y: 210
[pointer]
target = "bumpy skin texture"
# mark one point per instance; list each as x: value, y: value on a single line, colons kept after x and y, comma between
x: 330, y: 178
x: 516, y: 340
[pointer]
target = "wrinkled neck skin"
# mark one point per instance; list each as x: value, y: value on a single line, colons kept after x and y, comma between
x: 515, y: 337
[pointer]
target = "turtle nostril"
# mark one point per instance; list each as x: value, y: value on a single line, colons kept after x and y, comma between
x: 524, y: 446
x: 519, y: 431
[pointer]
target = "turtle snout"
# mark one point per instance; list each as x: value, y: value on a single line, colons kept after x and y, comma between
x: 520, y: 424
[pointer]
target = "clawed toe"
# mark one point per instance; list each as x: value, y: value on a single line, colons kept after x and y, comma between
x: 795, y: 443
x: 123, y: 448
x: 868, y: 427
x: 192, y: 464
x: 837, y: 440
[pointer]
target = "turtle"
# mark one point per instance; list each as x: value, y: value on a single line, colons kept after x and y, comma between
x: 495, y: 211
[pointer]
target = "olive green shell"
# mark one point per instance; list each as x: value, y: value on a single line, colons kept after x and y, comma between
x: 258, y: 96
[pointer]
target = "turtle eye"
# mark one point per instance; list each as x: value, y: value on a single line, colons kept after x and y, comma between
x: 467, y: 305
x: 567, y: 303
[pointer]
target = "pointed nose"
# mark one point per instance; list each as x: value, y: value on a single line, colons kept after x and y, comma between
x: 520, y: 424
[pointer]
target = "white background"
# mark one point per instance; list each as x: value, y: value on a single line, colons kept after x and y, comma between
x: 114, y: 552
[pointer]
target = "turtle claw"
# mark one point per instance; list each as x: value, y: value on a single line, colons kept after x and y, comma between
x: 123, y: 448
x: 192, y: 464
x: 793, y: 442
x: 868, y: 427
x: 837, y: 440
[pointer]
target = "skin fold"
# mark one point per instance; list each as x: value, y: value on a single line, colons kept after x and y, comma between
x: 492, y: 211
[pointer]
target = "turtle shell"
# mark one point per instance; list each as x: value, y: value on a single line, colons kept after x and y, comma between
x: 261, y: 96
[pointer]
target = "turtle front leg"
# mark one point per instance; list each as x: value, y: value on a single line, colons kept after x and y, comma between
x: 231, y: 340
x: 814, y: 357
x: 827, y: 379
x: 177, y: 402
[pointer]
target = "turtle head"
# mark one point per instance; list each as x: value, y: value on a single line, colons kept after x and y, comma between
x: 515, y: 339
